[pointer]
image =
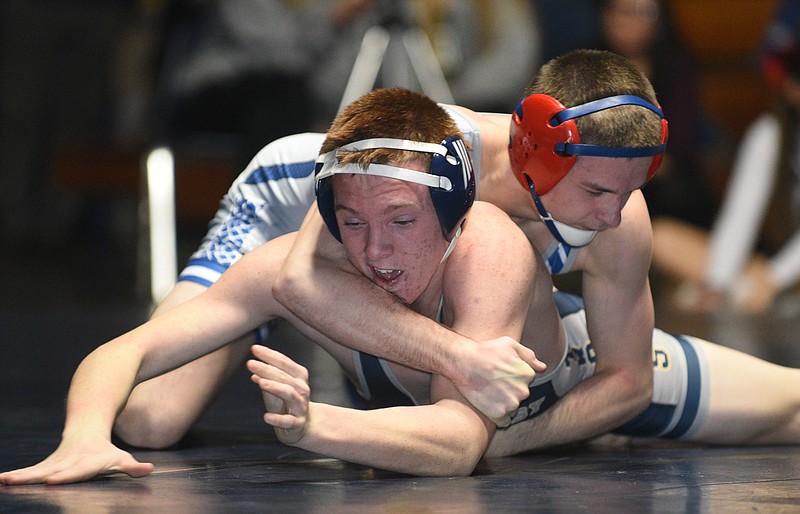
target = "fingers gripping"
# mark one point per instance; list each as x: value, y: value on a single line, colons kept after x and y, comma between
x: 529, y: 356
x: 284, y: 386
x: 499, y: 379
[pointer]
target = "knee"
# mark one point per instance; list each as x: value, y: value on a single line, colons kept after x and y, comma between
x: 146, y: 427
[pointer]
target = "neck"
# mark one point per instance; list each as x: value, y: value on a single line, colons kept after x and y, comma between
x: 500, y: 187
x: 428, y: 302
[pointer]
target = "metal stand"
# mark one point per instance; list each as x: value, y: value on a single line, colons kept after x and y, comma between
x: 415, y: 45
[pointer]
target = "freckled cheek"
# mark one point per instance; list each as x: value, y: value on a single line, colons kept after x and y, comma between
x: 424, y: 255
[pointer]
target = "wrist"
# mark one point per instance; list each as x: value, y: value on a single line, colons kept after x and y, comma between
x: 85, y: 432
x: 456, y: 358
x: 319, y: 432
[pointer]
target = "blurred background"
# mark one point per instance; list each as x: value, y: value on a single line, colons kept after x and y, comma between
x: 89, y: 86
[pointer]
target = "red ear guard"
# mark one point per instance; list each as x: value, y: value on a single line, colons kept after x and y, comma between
x: 533, y: 141
x: 544, y: 141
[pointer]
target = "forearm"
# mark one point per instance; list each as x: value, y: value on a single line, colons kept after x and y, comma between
x: 426, y: 345
x: 416, y: 440
x: 308, y: 281
x: 598, y: 405
x: 99, y: 390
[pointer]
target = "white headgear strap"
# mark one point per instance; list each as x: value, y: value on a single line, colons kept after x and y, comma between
x: 331, y: 166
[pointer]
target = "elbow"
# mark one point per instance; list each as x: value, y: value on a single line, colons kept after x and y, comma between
x: 459, y: 456
x: 645, y: 388
x: 459, y: 462
x: 469, y: 460
x: 638, y: 391
x: 286, y: 288
x: 469, y: 457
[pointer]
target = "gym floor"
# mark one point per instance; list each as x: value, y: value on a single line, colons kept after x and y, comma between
x: 54, y: 311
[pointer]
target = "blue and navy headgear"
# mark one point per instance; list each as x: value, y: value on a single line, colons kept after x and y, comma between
x: 451, y: 179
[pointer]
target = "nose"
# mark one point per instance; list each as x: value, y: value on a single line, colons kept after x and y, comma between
x: 611, y: 213
x: 377, y: 245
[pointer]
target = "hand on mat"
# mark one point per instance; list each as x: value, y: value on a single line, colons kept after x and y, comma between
x: 284, y: 386
x: 75, y: 461
x: 496, y: 375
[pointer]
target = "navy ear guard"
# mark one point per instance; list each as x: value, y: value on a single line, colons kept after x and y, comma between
x: 452, y: 205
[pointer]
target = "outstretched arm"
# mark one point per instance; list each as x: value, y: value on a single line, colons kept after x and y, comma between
x: 492, y: 374
x: 103, y: 381
x: 86, y: 449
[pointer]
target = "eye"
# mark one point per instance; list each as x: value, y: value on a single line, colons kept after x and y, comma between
x: 352, y: 223
x: 404, y: 222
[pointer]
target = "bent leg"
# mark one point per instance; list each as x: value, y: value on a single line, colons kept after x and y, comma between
x: 161, y: 410
x: 752, y: 401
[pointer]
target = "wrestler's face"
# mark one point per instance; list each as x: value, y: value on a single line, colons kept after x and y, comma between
x: 390, y: 231
x: 591, y: 196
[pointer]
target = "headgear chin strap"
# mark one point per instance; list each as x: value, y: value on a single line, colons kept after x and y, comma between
x: 451, y: 179
x: 564, y: 233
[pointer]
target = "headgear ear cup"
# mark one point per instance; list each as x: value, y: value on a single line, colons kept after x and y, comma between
x: 658, y: 158
x: 327, y: 209
x: 544, y: 140
x: 533, y: 141
x: 451, y: 203
x: 451, y: 206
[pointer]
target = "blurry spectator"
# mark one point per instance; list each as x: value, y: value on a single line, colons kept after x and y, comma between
x: 488, y: 49
x: 238, y: 68
x: 643, y: 31
x: 761, y: 209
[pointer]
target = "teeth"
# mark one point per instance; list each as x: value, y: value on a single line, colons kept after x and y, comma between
x: 387, y: 273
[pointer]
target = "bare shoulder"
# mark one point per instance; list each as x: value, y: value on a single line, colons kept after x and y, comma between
x: 487, y: 221
x: 493, y: 127
x: 490, y: 234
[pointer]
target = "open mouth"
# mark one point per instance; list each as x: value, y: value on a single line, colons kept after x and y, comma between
x: 386, y: 276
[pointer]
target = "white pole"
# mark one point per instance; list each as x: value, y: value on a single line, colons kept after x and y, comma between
x: 161, y: 205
